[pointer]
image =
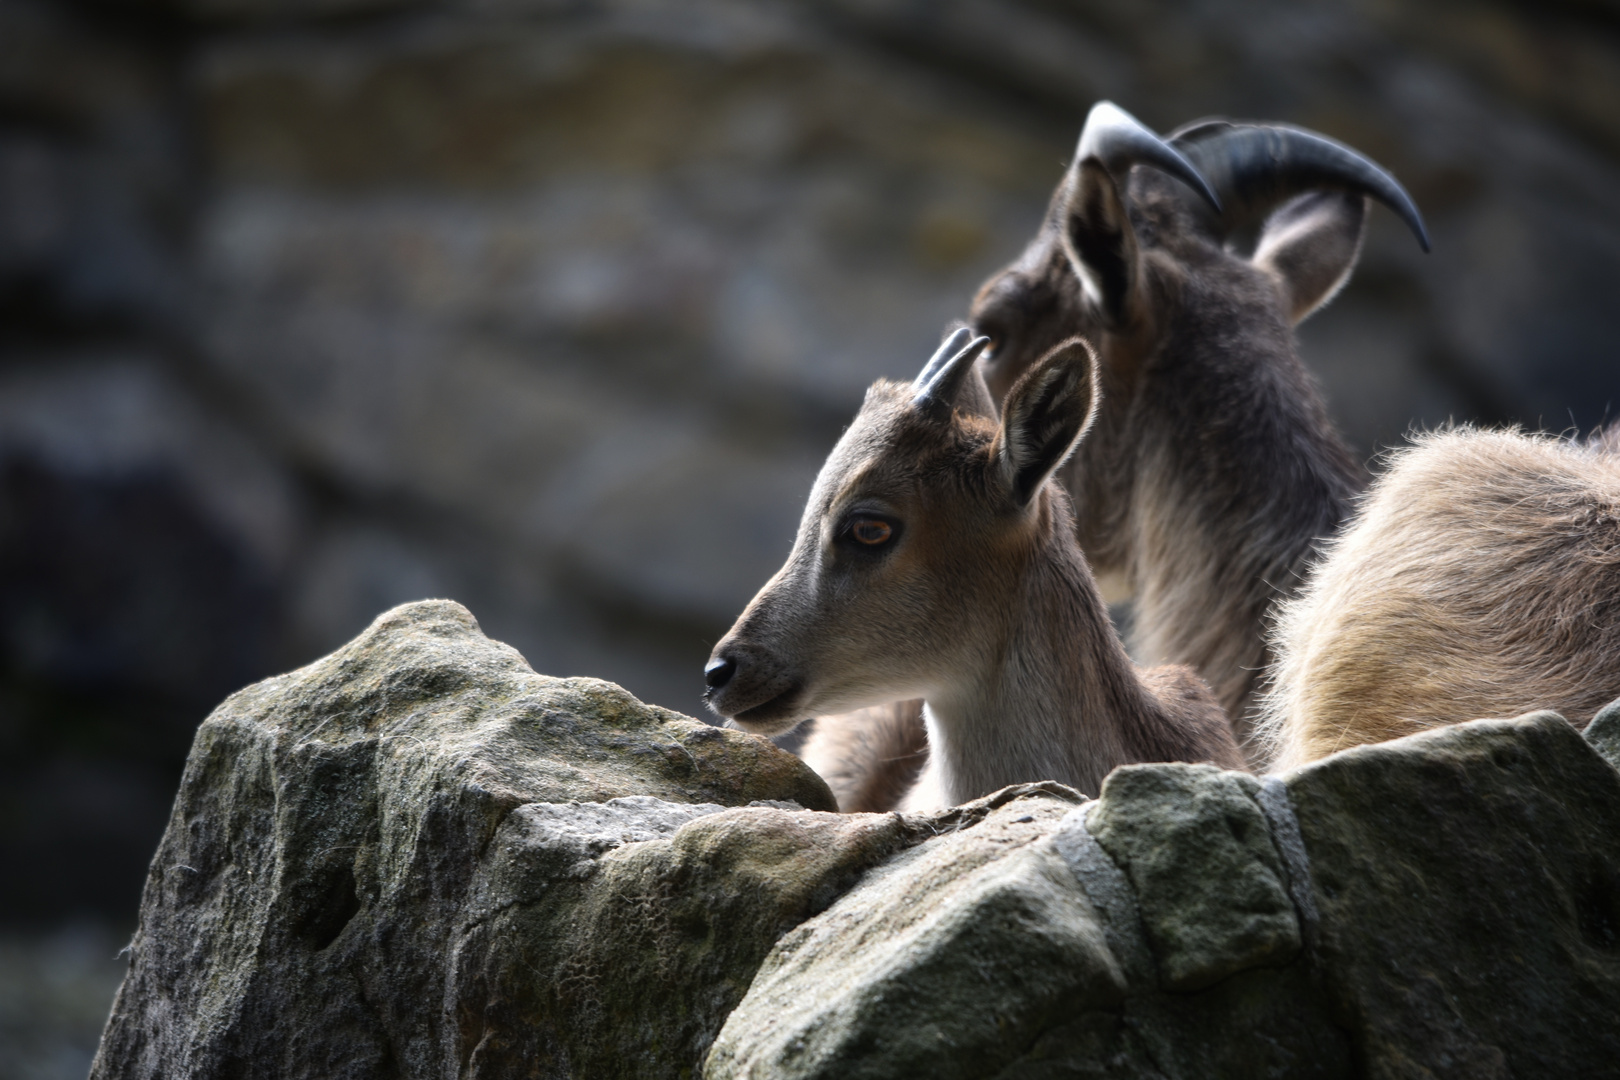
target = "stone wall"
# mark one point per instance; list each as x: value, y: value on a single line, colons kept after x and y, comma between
x: 315, y: 306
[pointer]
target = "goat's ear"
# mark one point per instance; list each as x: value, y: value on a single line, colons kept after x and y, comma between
x: 1046, y: 413
x: 1100, y: 242
x: 1310, y: 245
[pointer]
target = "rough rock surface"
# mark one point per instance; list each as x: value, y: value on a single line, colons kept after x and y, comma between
x: 370, y: 859
x: 1443, y: 906
x: 418, y: 858
x: 944, y: 962
x: 1194, y: 843
x: 1469, y: 887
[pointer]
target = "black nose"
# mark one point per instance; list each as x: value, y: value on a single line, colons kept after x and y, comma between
x: 719, y: 672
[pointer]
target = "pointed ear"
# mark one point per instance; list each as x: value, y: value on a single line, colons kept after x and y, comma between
x: 1046, y: 413
x: 1310, y: 245
x: 1100, y: 242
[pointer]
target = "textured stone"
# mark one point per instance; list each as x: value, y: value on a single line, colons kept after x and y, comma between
x: 626, y: 967
x: 418, y: 858
x: 944, y: 963
x: 1460, y: 889
x: 931, y: 967
x: 1604, y: 733
x: 342, y: 830
x: 1213, y: 890
x: 1469, y: 886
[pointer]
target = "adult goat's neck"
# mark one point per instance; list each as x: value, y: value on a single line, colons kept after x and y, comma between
x: 1236, y: 475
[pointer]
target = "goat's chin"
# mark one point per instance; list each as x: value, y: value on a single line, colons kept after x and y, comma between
x: 776, y: 716
x: 766, y: 727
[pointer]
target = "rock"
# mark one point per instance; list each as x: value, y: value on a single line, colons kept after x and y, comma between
x: 1468, y: 880
x: 416, y: 857
x: 1196, y: 847
x: 1604, y: 733
x: 1014, y: 949
x: 1446, y: 905
x: 944, y: 963
x: 364, y: 854
x: 626, y: 967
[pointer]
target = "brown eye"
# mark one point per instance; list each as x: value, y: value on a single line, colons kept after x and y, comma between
x: 871, y: 531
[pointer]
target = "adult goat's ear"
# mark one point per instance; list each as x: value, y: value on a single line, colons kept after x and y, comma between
x: 1100, y: 242
x: 1097, y: 232
x: 1310, y: 245
x: 1045, y: 414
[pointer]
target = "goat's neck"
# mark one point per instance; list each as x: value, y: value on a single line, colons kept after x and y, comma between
x: 1055, y: 698
x: 1211, y: 531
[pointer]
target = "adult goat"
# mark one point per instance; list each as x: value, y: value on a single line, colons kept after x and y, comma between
x: 1480, y: 578
x: 1213, y: 470
x: 935, y: 559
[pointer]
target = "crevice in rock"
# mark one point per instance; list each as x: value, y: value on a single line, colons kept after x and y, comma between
x: 337, y: 910
x: 1598, y: 909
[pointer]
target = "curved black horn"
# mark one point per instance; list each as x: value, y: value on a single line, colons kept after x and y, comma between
x: 941, y: 377
x: 1119, y: 140
x: 1254, y: 167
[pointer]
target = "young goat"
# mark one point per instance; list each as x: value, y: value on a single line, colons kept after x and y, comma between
x: 1481, y: 578
x: 934, y: 560
x: 1214, y: 469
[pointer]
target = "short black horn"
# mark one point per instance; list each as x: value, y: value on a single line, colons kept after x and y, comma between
x: 935, y: 388
x: 1119, y: 140
x: 1255, y: 167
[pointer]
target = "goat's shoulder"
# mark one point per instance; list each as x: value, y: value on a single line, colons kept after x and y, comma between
x: 1194, y: 726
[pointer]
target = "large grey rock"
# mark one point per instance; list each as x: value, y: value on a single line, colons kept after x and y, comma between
x: 1446, y: 905
x: 416, y: 857
x: 1017, y: 950
x: 1468, y: 880
x: 371, y: 871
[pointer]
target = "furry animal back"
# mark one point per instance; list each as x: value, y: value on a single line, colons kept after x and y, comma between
x: 1480, y: 578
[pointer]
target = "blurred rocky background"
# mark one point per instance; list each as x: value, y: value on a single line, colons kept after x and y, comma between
x: 309, y: 307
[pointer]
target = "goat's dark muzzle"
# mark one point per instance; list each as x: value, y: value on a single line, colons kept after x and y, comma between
x: 753, y: 688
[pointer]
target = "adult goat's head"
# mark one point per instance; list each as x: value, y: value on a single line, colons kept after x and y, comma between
x: 1135, y: 214
x: 1201, y: 382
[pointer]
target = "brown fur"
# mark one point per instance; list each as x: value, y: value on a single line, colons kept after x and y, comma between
x: 1213, y: 470
x: 1481, y: 578
x: 871, y: 757
x: 984, y: 605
